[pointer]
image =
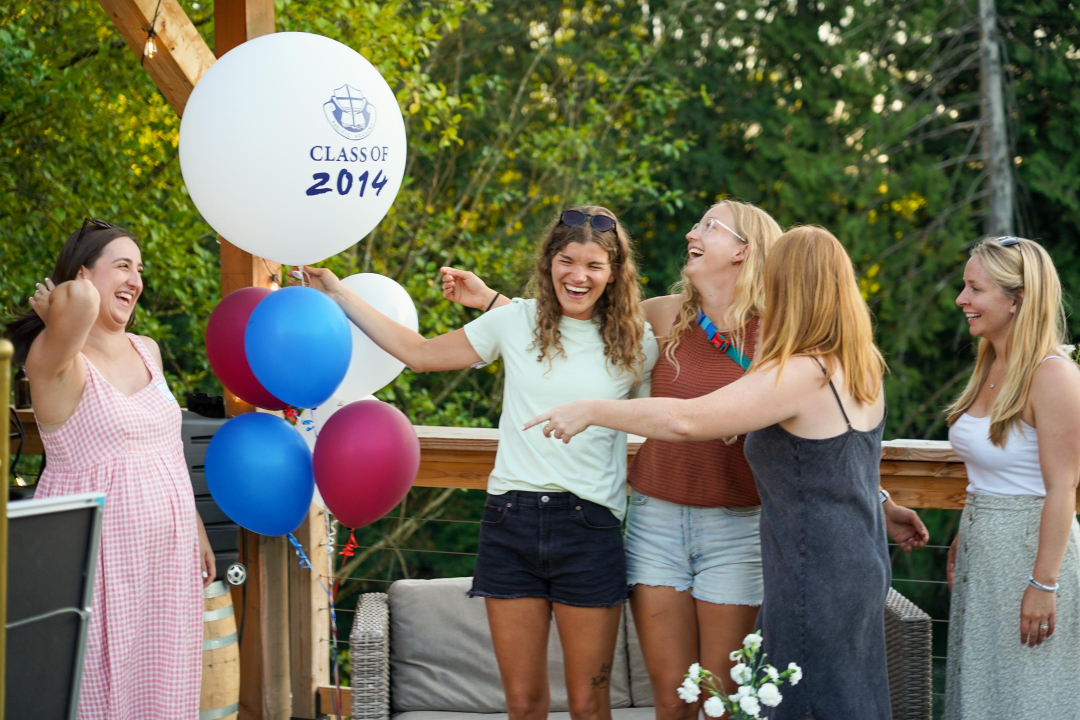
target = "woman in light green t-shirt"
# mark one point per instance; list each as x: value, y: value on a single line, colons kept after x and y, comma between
x: 550, y: 539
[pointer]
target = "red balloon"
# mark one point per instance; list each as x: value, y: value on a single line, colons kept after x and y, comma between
x: 366, y: 458
x: 225, y: 348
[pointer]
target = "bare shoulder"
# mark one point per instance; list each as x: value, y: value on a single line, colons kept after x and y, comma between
x: 661, y: 312
x: 152, y: 346
x: 1055, y: 378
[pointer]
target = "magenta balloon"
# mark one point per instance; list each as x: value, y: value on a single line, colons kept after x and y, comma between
x: 225, y: 348
x: 366, y: 459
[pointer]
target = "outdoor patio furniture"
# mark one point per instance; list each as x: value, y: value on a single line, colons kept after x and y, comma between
x: 423, y: 652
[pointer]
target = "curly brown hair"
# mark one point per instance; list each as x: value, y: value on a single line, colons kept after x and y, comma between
x: 618, y: 311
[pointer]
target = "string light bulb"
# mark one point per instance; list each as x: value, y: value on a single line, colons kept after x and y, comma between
x: 151, y: 45
x: 150, y: 48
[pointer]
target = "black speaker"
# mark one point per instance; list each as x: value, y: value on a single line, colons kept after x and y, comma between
x: 52, y: 556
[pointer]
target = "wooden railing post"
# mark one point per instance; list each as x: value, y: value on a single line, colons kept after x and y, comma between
x: 6, y: 351
x: 309, y: 619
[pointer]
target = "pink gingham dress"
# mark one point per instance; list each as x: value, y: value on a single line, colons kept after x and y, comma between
x: 144, y: 646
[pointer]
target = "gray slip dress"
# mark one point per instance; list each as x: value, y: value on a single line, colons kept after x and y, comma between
x: 826, y: 566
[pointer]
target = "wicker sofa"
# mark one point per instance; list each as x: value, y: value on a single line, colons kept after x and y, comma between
x: 423, y: 652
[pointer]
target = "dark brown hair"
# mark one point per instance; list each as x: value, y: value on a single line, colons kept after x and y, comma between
x: 77, y: 253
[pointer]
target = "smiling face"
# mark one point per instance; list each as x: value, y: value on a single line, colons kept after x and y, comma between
x: 580, y: 273
x: 117, y: 275
x: 714, y: 250
x: 989, y: 310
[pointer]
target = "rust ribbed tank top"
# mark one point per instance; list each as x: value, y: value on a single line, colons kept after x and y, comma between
x: 704, y: 473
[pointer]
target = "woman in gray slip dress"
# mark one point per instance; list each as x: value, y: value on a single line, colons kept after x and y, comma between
x: 815, y: 447
x: 1014, y: 566
x: 826, y: 568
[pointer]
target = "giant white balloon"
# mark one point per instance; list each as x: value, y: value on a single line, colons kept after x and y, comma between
x: 371, y: 367
x: 292, y: 147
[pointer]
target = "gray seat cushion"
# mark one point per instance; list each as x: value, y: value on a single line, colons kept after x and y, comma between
x: 442, y: 658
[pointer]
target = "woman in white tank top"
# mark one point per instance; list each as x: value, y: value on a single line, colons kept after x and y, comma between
x: 1014, y: 566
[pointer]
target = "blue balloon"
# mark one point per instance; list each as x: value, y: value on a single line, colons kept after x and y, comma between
x: 298, y: 344
x: 258, y: 469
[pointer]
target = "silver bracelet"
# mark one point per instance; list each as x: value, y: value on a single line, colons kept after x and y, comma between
x: 1039, y: 586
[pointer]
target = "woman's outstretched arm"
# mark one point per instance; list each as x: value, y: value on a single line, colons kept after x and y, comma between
x: 752, y: 402
x: 451, y: 351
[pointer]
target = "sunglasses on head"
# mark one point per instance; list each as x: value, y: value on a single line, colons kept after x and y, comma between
x: 1008, y: 241
x: 600, y: 223
x: 94, y: 222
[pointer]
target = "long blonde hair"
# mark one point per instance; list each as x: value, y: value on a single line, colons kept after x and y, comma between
x: 760, y: 231
x: 618, y: 311
x: 815, y: 308
x: 1026, y: 274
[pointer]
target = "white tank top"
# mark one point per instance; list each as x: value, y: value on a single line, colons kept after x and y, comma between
x: 1010, y: 471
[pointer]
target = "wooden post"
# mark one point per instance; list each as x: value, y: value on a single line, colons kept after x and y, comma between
x: 6, y: 351
x: 264, y: 650
x: 310, y: 621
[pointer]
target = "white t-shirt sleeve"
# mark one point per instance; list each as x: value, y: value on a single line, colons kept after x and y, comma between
x: 487, y: 332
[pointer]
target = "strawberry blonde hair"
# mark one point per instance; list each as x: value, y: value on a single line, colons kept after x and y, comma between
x: 815, y: 308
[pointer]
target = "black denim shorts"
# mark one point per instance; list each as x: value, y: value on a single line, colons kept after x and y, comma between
x: 550, y: 545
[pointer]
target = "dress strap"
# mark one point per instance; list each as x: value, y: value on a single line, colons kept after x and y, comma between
x: 835, y: 394
x: 1051, y: 357
x: 147, y: 358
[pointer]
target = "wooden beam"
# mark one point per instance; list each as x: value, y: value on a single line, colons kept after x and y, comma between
x: 182, y: 56
x: 309, y: 623
x: 264, y: 650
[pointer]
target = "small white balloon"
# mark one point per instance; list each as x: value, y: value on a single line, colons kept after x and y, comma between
x: 371, y: 367
x: 292, y: 147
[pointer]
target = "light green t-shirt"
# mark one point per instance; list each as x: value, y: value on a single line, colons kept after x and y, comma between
x: 593, y: 464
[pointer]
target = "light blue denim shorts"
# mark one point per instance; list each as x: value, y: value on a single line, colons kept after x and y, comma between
x: 715, y: 552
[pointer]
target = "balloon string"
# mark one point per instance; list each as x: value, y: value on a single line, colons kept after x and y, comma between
x: 331, y: 536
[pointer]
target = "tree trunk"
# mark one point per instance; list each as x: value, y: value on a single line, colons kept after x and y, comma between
x: 995, y: 141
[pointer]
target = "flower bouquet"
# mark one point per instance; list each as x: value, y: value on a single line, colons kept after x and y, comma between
x: 759, y: 684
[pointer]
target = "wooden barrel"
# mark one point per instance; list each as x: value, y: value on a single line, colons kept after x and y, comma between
x: 220, y: 698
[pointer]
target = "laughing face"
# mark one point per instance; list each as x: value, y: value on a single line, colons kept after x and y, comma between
x: 117, y: 275
x: 580, y: 273
x: 988, y: 309
x: 714, y: 249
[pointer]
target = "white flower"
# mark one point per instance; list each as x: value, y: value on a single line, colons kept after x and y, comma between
x: 750, y: 706
x: 689, y: 691
x: 734, y: 655
x: 772, y: 672
x: 795, y: 676
x: 714, y: 707
x: 695, y: 672
x: 752, y: 641
x: 769, y: 695
x: 741, y: 674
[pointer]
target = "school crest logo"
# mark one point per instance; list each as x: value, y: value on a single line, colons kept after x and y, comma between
x: 350, y: 113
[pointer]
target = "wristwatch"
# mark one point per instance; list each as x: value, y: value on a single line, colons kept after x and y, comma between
x: 884, y: 494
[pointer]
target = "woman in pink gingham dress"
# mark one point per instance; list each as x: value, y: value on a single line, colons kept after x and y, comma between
x: 110, y: 424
